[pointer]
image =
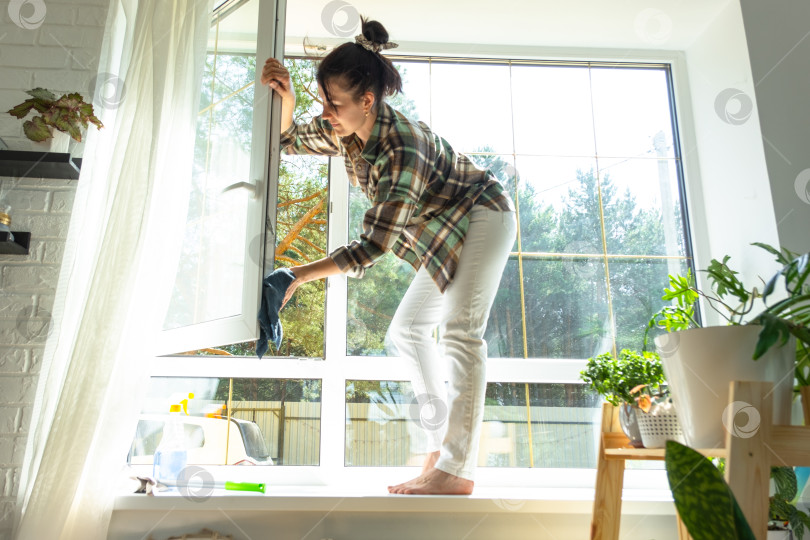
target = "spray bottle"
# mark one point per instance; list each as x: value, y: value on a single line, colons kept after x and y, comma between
x: 171, y: 455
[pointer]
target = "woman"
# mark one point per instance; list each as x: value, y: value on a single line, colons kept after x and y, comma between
x: 427, y: 203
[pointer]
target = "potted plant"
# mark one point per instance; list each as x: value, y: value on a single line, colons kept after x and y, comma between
x: 656, y: 416
x: 708, y: 507
x: 616, y: 378
x: 782, y: 513
x: 68, y: 114
x: 700, y: 362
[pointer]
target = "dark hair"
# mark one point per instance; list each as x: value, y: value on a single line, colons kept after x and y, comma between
x: 359, y: 70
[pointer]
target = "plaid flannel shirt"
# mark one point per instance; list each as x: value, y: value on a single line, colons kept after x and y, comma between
x: 420, y: 189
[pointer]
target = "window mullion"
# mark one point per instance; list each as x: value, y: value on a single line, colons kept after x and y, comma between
x: 333, y: 386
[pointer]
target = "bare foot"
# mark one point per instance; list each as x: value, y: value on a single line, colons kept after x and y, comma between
x: 434, y: 482
x: 430, y: 461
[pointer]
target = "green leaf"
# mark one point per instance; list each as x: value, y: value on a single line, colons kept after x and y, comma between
x: 22, y: 109
x: 773, y: 329
x: 70, y: 101
x: 779, y: 509
x: 785, y: 482
x: 703, y: 499
x: 772, y: 250
x: 36, y: 129
x: 799, y: 521
x: 770, y: 285
x: 42, y: 94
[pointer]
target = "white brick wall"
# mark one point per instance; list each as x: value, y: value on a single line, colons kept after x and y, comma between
x: 61, y: 55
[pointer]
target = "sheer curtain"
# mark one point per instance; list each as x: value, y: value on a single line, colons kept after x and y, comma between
x: 118, y: 267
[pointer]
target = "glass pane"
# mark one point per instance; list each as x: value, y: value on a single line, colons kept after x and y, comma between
x: 272, y: 421
x: 559, y: 205
x: 288, y: 413
x: 560, y: 427
x: 636, y: 286
x: 470, y: 106
x: 379, y: 429
x: 566, y: 307
x: 632, y: 112
x: 552, y: 110
x: 641, y: 205
x: 504, y: 334
x: 502, y: 167
x: 301, y: 226
x: 414, y: 101
x: 373, y: 300
x: 210, y: 275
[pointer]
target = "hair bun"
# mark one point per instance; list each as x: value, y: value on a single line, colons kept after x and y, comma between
x: 374, y: 31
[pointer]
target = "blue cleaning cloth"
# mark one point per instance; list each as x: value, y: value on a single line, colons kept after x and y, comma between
x: 274, y: 287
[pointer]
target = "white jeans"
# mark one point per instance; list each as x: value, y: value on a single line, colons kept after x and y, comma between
x: 451, y: 416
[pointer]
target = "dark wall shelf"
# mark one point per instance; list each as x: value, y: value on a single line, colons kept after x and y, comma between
x: 22, y: 164
x: 18, y: 247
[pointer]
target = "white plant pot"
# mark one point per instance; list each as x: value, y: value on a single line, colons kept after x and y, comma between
x: 700, y: 363
x: 60, y: 142
x: 780, y: 535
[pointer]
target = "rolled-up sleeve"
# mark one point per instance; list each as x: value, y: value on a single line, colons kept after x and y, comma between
x: 402, y: 180
x: 315, y: 137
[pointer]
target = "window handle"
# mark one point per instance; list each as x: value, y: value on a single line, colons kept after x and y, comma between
x: 254, y: 188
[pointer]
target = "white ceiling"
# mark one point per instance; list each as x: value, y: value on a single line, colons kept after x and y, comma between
x: 630, y: 24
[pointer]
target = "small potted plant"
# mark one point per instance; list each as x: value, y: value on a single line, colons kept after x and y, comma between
x: 616, y: 378
x: 68, y: 114
x: 656, y: 416
x: 700, y: 362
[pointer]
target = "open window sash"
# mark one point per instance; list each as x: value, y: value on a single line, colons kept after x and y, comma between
x: 230, y: 226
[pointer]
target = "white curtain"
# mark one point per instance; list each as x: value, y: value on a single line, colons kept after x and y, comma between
x: 118, y: 267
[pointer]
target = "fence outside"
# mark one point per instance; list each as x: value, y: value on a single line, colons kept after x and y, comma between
x: 387, y: 435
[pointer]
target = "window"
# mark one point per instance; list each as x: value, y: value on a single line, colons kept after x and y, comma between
x: 588, y: 151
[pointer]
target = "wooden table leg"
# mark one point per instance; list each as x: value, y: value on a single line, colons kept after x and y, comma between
x: 607, y: 505
x: 748, y: 466
x: 607, y: 502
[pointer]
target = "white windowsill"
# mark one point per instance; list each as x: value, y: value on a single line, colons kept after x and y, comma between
x: 488, y: 500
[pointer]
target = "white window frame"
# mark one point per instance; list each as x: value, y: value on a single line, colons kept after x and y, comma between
x: 339, y: 368
x: 264, y: 159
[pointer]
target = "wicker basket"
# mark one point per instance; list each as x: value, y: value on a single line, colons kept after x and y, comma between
x: 659, y: 426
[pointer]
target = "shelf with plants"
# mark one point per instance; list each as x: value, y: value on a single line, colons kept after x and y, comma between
x: 58, y: 120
